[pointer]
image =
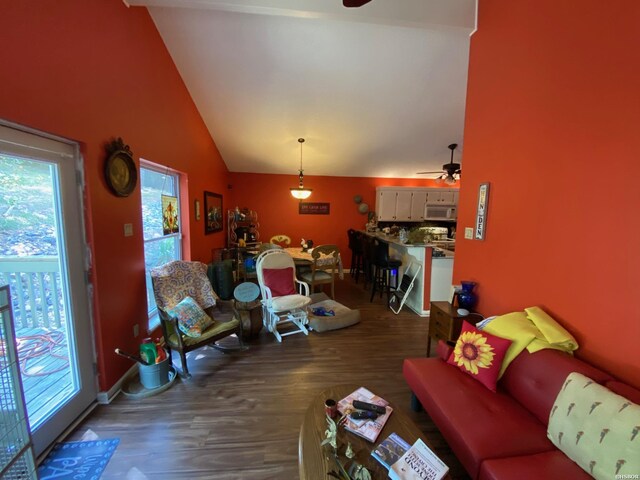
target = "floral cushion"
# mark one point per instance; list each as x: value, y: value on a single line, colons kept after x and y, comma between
x: 192, y: 320
x: 596, y: 428
x: 178, y: 279
x: 479, y: 354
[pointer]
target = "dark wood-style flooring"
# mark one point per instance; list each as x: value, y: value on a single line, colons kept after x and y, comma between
x: 239, y: 417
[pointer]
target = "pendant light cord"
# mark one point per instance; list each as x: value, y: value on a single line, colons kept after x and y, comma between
x: 301, y: 141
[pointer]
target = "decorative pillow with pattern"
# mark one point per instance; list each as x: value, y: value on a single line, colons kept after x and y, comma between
x: 192, y: 320
x: 596, y: 428
x: 479, y: 354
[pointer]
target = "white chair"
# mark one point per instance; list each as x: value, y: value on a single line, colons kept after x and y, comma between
x: 400, y: 294
x: 281, y: 302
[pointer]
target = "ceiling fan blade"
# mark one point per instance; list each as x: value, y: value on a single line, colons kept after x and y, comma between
x: 429, y: 173
x: 354, y: 3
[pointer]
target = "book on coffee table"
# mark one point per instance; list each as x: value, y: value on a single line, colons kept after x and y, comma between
x: 390, y: 450
x: 367, y: 429
x: 418, y: 463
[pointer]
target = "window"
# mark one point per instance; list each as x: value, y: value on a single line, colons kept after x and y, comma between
x: 158, y: 248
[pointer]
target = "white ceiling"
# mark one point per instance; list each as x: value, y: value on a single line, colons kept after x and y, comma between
x: 376, y: 91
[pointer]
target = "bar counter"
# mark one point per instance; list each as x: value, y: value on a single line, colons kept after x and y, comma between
x: 433, y: 283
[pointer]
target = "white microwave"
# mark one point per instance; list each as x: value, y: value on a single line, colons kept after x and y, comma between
x: 439, y: 212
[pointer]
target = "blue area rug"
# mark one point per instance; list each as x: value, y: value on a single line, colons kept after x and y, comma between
x: 78, y: 460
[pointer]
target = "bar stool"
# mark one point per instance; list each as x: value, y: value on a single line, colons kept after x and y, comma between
x: 368, y: 257
x: 383, y: 266
x: 355, y: 245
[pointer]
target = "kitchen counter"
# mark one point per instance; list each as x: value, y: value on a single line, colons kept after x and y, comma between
x: 433, y: 283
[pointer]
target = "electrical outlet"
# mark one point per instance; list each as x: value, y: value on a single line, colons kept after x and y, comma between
x: 468, y: 233
x: 136, y: 330
x: 128, y: 230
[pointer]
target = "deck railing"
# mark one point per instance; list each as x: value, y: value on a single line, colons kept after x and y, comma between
x: 35, y: 290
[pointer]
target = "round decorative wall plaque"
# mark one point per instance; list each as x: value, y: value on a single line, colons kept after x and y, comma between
x: 120, y: 169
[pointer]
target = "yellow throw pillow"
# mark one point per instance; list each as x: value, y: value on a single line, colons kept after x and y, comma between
x: 596, y: 428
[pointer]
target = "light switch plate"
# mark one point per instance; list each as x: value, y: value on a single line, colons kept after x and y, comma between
x: 468, y: 233
x: 128, y: 230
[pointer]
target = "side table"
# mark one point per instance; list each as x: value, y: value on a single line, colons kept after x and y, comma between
x: 248, y: 309
x: 444, y: 323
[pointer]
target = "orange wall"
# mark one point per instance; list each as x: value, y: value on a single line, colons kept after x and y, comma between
x: 91, y: 71
x: 277, y: 210
x: 552, y: 122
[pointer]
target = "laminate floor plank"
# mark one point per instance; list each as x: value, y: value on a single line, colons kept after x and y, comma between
x: 239, y: 417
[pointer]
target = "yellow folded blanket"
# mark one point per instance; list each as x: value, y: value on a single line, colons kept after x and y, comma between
x: 553, y: 333
x: 532, y: 329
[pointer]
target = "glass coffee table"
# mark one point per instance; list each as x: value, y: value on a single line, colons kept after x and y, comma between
x: 315, y: 461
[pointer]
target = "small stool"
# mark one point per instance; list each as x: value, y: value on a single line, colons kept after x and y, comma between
x: 383, y: 266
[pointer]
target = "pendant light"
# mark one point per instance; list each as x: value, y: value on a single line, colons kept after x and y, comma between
x: 300, y: 192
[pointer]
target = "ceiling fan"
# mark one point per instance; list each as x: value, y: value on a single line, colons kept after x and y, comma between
x: 354, y: 3
x: 451, y: 172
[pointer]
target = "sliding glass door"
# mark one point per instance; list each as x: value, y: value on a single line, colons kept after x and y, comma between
x: 42, y: 258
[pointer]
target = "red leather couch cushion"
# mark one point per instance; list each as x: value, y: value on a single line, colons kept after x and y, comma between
x: 477, y: 423
x: 548, y: 466
x: 627, y: 391
x: 534, y: 379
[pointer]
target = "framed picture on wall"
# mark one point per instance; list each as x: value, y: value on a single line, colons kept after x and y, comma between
x: 213, y: 212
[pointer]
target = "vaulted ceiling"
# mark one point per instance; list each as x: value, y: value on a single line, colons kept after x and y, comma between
x: 376, y: 91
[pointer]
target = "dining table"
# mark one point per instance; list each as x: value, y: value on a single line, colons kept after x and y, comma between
x: 303, y: 257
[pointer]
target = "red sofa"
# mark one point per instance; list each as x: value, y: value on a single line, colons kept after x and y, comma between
x: 502, y: 435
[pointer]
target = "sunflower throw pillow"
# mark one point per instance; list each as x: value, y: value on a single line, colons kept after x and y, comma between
x: 479, y: 354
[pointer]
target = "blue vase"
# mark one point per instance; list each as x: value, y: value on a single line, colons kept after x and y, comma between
x: 466, y: 297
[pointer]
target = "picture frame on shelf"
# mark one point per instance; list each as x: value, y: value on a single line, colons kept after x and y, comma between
x: 213, y: 212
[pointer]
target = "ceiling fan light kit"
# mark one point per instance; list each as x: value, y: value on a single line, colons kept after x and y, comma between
x: 300, y: 192
x: 451, y: 172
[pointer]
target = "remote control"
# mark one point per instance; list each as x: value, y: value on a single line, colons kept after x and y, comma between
x: 364, y: 414
x: 369, y: 406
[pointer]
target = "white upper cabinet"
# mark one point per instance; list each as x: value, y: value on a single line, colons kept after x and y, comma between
x: 386, y: 205
x: 407, y: 204
x: 418, y: 201
x: 403, y: 206
x: 440, y: 196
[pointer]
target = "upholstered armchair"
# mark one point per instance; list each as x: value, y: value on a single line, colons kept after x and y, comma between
x: 191, y: 314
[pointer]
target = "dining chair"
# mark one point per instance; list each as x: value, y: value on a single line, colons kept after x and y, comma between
x: 191, y: 314
x: 326, y: 259
x: 284, y: 297
x: 281, y: 240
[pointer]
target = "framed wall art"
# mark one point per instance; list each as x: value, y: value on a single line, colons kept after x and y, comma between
x: 213, y: 212
x: 481, y: 215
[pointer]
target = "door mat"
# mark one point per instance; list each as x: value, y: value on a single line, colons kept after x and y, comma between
x: 77, y: 460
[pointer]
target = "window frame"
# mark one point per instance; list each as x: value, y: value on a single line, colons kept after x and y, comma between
x: 153, y: 318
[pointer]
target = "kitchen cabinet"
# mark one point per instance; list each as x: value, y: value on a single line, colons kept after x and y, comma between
x: 400, y: 205
x: 403, y: 206
x: 441, y: 196
x: 407, y: 204
x: 386, y: 205
x: 418, y: 201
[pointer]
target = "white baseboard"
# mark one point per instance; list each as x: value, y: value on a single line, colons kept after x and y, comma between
x: 105, y: 398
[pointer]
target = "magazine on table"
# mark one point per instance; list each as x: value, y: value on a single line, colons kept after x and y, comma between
x: 367, y: 429
x: 418, y: 463
x: 390, y: 450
